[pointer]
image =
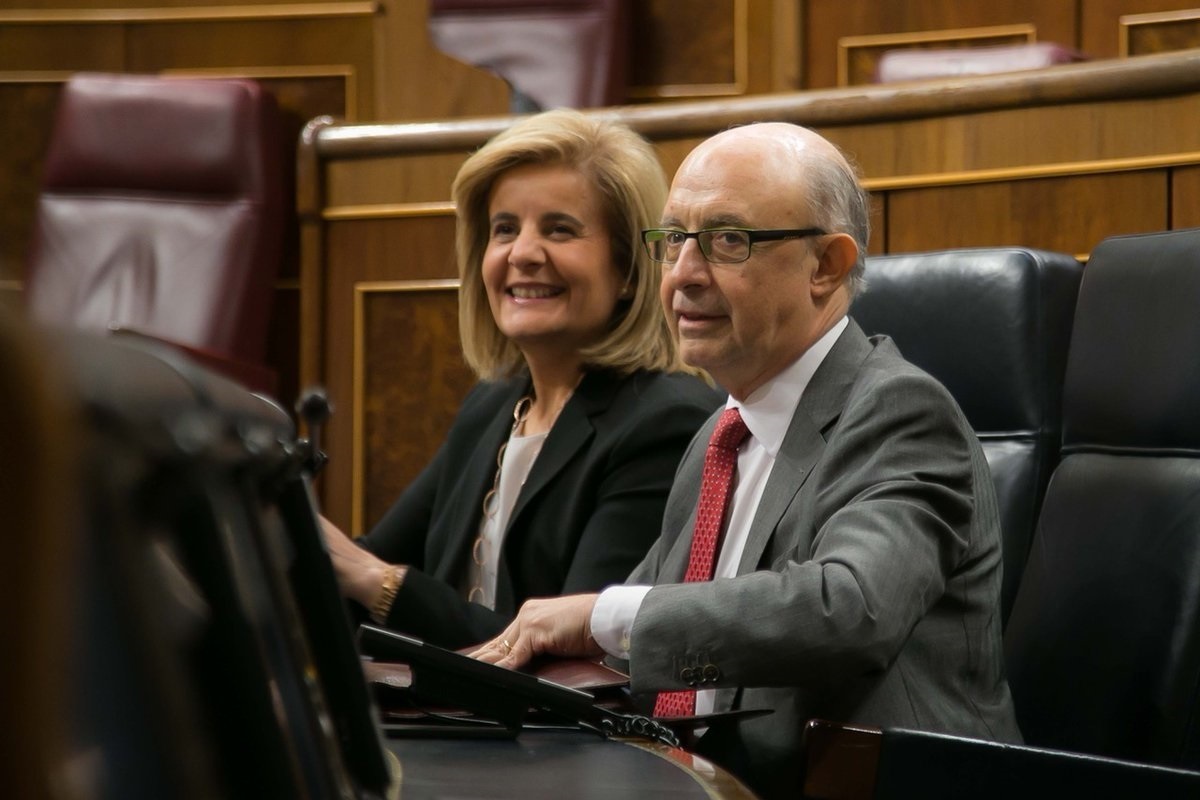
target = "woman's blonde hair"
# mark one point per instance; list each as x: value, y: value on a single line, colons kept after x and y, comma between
x: 623, y: 168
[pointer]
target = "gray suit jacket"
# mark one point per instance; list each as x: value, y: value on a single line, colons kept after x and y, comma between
x: 869, y: 589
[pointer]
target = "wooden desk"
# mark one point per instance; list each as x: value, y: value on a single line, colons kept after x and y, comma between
x: 556, y: 764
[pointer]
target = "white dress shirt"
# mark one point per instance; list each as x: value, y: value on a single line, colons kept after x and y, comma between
x: 767, y: 412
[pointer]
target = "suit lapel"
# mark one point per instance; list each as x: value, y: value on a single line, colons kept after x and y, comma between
x: 478, y: 474
x: 818, y: 409
x: 569, y: 434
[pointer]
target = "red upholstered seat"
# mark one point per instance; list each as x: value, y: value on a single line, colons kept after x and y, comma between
x: 161, y: 211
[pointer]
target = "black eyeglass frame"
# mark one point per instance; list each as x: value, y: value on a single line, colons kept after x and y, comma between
x: 754, y: 235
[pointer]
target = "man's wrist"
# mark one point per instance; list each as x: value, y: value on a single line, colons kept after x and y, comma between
x: 612, y: 618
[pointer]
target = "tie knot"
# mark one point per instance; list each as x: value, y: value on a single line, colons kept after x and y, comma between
x: 730, y: 431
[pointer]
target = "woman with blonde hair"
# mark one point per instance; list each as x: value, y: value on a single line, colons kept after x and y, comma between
x: 553, y: 478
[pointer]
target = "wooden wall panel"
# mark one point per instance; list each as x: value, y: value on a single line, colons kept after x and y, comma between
x: 680, y: 48
x: 1069, y: 214
x: 1101, y: 34
x: 424, y: 178
x: 24, y: 138
x: 826, y: 22
x: 385, y: 252
x: 57, y: 47
x: 407, y: 335
x: 858, y: 56
x: 273, y: 44
x: 1142, y: 34
x: 1185, y: 197
x: 1052, y: 137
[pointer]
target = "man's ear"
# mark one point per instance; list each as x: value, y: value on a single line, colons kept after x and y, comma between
x: 834, y: 264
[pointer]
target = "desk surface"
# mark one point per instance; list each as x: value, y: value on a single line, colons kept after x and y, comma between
x: 556, y: 764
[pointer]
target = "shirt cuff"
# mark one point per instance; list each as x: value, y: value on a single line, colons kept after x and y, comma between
x: 612, y: 618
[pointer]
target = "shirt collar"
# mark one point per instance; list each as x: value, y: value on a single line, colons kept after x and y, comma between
x: 769, y: 409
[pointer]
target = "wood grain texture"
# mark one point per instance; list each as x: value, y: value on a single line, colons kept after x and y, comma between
x: 410, y: 338
x: 827, y: 21
x: 1068, y: 215
x: 1100, y: 28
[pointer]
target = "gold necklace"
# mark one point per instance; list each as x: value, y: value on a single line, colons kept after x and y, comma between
x: 520, y: 413
x: 491, y: 499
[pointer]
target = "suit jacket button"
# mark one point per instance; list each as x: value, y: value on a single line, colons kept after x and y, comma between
x: 711, y: 673
x: 688, y: 676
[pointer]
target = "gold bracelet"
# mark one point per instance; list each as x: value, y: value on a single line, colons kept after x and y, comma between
x: 387, y: 596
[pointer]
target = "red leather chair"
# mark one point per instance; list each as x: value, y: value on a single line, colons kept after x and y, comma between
x: 160, y: 212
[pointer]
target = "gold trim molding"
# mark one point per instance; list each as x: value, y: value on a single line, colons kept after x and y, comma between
x: 389, y: 210
x: 120, y: 16
x: 1059, y: 170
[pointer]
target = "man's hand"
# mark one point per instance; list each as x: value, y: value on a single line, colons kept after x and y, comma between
x: 559, y: 626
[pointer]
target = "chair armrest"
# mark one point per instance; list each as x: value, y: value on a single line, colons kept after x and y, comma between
x: 861, y: 762
x: 255, y: 377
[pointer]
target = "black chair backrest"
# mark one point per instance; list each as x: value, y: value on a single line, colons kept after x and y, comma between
x: 993, y: 326
x: 1103, y: 645
x: 195, y: 653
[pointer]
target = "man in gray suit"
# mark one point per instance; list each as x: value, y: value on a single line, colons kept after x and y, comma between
x: 858, y: 571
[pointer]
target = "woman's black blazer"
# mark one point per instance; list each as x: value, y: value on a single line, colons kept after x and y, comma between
x: 589, y: 510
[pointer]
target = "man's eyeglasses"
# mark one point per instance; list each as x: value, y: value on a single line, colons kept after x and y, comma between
x: 718, y: 245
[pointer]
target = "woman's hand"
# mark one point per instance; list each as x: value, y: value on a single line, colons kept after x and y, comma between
x: 559, y: 626
x: 359, y: 573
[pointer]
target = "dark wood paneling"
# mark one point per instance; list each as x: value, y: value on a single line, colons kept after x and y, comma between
x: 1068, y: 214
x: 23, y: 135
x: 65, y: 46
x: 679, y: 42
x: 681, y: 48
x: 282, y: 353
x: 858, y: 56
x: 279, y: 45
x: 825, y: 22
x: 1185, y: 197
x: 1160, y: 33
x: 410, y: 337
x: 412, y: 248
x: 1100, y: 30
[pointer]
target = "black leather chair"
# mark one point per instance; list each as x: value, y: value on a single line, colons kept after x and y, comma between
x: 1103, y: 645
x: 993, y: 326
x: 196, y: 669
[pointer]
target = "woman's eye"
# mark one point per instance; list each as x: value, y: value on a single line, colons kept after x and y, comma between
x: 675, y: 238
x: 503, y: 230
x: 561, y: 231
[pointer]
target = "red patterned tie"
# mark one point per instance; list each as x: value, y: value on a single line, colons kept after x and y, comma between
x: 716, y: 487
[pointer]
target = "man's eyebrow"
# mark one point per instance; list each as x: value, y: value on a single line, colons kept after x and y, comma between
x: 719, y: 221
